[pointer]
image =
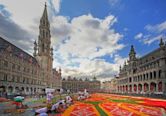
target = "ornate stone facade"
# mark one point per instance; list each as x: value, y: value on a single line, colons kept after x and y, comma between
x: 75, y: 85
x: 26, y: 74
x: 145, y: 75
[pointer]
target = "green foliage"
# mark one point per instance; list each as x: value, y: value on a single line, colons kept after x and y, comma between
x: 124, y: 101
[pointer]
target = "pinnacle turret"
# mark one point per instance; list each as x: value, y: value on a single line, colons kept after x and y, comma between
x: 35, y: 49
x: 132, y: 53
x: 161, y: 43
x: 132, y: 50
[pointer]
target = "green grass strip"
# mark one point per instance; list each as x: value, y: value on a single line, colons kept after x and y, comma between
x: 96, y: 104
x: 124, y: 101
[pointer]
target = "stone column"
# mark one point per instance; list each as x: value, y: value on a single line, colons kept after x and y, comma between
x: 156, y: 86
x: 164, y: 87
x: 149, y: 86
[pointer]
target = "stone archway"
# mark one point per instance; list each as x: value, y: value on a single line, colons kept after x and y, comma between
x: 43, y: 90
x: 27, y: 90
x: 130, y: 88
x: 139, y: 87
x: 2, y: 90
x: 22, y: 90
x: 34, y: 90
x: 17, y: 90
x: 152, y: 87
x: 31, y: 90
x: 10, y: 89
x: 160, y: 87
x: 135, y: 88
x: 123, y: 88
x: 126, y: 88
x: 146, y: 87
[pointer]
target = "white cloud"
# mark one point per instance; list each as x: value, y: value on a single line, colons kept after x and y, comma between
x: 86, y: 38
x: 155, y: 33
x: 114, y: 2
x: 89, y: 35
x: 156, y: 28
x: 56, y: 5
x: 153, y: 39
x: 24, y: 12
x: 79, y: 43
x: 138, y: 36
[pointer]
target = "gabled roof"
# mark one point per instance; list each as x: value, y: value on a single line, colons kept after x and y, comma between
x: 6, y: 45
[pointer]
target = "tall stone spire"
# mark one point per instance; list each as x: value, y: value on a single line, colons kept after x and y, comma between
x: 45, y: 16
x: 44, y: 42
x: 45, y: 53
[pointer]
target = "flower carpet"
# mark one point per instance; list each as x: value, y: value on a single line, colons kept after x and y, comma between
x: 117, y: 105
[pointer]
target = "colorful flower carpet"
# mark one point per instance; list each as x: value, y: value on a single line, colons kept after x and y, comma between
x: 117, y: 105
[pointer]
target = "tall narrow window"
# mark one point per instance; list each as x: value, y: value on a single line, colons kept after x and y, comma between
x: 150, y: 75
x: 42, y: 47
x: 43, y: 33
x: 159, y: 73
x: 154, y: 74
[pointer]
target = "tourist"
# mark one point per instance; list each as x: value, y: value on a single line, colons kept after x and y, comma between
x: 59, y: 107
x: 55, y: 107
x: 81, y: 97
x: 49, y: 97
x: 43, y: 111
x: 18, y: 101
x: 69, y: 100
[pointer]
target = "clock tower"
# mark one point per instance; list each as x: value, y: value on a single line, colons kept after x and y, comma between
x: 42, y: 49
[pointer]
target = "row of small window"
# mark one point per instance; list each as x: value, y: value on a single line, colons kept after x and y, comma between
x: 17, y: 67
x: 143, y: 77
x: 150, y: 66
x: 147, y: 60
x: 17, y: 79
x: 123, y: 81
x: 147, y: 76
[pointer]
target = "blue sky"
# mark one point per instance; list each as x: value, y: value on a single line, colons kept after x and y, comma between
x: 90, y: 37
x: 132, y: 15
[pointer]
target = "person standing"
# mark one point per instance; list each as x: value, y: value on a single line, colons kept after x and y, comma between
x: 49, y: 97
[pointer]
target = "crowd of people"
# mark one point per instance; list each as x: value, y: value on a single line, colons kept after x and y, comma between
x: 61, y: 104
x: 83, y: 95
x: 57, y: 107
